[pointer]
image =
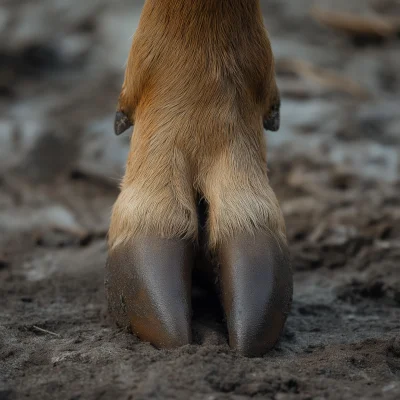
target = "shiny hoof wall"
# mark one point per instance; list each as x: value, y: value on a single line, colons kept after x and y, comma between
x: 148, y: 286
x: 256, y: 289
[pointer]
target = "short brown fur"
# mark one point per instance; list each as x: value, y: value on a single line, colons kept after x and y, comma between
x: 199, y: 80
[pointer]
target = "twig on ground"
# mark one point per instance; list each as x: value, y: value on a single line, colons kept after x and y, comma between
x: 357, y: 25
x: 323, y: 77
x: 36, y: 328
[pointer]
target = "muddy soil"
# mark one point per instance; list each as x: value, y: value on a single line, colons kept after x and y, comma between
x: 334, y: 165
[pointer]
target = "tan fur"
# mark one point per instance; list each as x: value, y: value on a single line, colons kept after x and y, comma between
x: 199, y: 80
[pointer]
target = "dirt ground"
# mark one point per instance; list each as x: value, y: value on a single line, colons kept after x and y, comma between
x: 334, y: 165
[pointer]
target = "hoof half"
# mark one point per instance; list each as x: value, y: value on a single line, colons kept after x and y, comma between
x: 256, y: 288
x: 148, y: 285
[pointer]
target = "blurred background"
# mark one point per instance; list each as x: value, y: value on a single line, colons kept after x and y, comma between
x: 334, y: 166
